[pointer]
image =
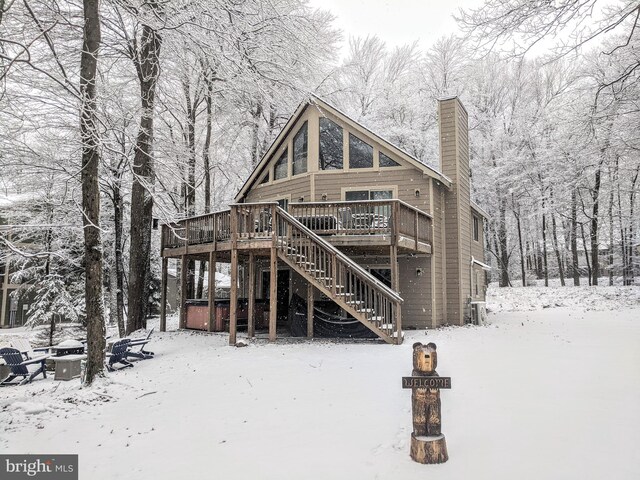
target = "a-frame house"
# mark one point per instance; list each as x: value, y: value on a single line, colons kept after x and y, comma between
x: 335, y: 213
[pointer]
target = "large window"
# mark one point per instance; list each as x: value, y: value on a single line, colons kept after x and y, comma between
x: 281, y: 169
x: 300, y: 150
x: 360, y: 153
x: 387, y: 162
x: 331, y: 156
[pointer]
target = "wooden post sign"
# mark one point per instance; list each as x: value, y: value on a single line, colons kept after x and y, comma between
x: 428, y: 444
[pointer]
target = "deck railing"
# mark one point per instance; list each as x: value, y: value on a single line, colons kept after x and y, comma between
x: 207, y: 228
x: 254, y: 221
x: 372, y: 217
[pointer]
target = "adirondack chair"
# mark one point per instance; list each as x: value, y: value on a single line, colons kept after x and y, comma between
x: 13, y: 358
x: 118, y: 354
x: 25, y: 348
x: 140, y: 352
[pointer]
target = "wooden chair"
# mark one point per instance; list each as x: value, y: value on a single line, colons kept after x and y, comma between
x: 24, y: 346
x: 140, y: 353
x: 13, y: 358
x: 118, y: 354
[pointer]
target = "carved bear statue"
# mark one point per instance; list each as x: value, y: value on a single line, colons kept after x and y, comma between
x: 425, y: 401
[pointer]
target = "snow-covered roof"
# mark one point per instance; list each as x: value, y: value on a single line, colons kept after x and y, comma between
x: 481, y: 211
x: 319, y: 102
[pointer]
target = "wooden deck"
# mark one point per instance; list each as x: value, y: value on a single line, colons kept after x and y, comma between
x: 365, y: 226
x: 305, y: 238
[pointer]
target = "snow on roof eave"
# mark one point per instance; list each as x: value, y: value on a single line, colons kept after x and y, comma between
x: 480, y: 264
x: 480, y: 210
x: 322, y: 103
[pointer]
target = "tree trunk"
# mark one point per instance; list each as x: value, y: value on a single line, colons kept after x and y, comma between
x: 119, y: 263
x: 610, y: 212
x: 206, y: 156
x: 632, y: 228
x: 207, y: 169
x: 91, y: 192
x: 575, y: 264
x: 257, y: 113
x: 147, y: 63
x: 502, y: 245
x: 586, y: 253
x: 595, y: 262
x: 538, y: 259
x: 554, y: 238
x: 522, y: 257
x: 544, y: 247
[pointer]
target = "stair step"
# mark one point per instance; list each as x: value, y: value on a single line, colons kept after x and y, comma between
x: 385, y: 326
x: 366, y: 310
x: 355, y: 302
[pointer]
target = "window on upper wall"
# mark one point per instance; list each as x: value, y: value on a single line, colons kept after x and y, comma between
x: 281, y: 169
x: 387, y: 162
x: 355, y: 195
x: 300, y: 150
x: 476, y: 229
x: 331, y: 155
x: 265, y: 178
x: 360, y: 153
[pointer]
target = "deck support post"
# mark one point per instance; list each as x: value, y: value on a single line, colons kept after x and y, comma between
x: 233, y: 301
x: 395, y: 285
x: 211, y: 291
x: 184, y: 273
x: 273, y: 277
x: 163, y: 295
x: 309, y: 310
x: 251, y: 327
x: 273, y: 293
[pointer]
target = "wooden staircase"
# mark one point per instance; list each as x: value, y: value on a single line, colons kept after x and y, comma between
x: 337, y: 276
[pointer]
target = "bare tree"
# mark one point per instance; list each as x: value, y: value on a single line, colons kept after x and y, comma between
x: 91, y: 191
x: 146, y: 58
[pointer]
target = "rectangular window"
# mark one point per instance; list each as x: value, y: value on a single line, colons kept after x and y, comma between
x: 360, y: 153
x: 300, y: 150
x: 387, y: 162
x: 331, y: 154
x: 476, y: 229
x: 281, y: 169
x: 356, y: 195
x: 378, y: 214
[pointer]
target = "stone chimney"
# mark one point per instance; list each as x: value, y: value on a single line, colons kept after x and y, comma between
x: 454, y: 163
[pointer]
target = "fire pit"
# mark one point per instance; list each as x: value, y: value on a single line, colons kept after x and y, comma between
x: 68, y: 347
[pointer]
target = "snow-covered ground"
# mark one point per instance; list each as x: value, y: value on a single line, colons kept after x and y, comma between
x: 541, y: 393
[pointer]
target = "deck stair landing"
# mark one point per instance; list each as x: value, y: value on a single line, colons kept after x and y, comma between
x: 354, y: 289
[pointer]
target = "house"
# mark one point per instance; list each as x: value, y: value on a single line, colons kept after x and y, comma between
x: 335, y: 213
x: 13, y: 309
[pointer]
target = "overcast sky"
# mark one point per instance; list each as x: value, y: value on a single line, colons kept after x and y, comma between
x: 397, y: 22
